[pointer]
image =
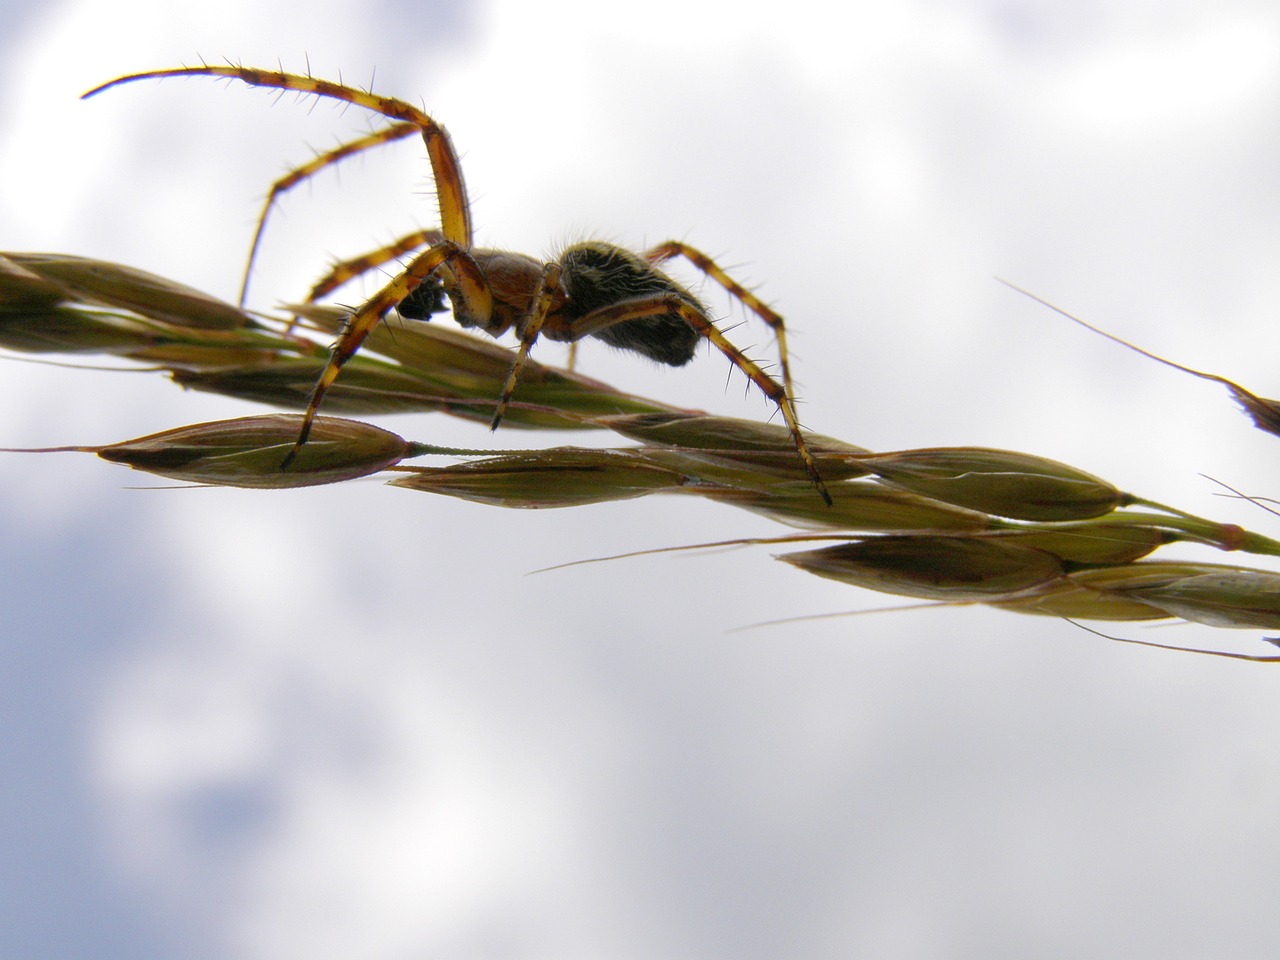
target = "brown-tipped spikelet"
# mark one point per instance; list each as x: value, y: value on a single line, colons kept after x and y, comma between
x: 953, y: 569
x: 1000, y: 482
x: 247, y: 452
x: 559, y: 477
x: 1265, y: 413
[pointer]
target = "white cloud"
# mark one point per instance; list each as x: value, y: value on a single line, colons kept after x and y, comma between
x: 344, y: 722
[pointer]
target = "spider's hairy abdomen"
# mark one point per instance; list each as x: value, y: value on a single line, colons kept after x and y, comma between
x: 603, y: 275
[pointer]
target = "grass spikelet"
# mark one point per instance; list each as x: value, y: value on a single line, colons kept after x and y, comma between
x: 52, y: 328
x: 24, y: 287
x: 366, y: 387
x: 952, y: 569
x: 1219, y: 596
x: 99, y: 283
x: 1106, y: 540
x: 452, y: 363
x: 1000, y: 482
x: 561, y: 477
x: 766, y: 448
x: 855, y: 506
x: 1071, y: 601
x: 247, y: 452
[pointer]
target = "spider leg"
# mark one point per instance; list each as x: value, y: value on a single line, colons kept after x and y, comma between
x: 344, y: 271
x: 390, y: 134
x: 464, y: 281
x: 459, y: 272
x: 347, y: 270
x: 455, y: 210
x: 677, y: 248
x: 542, y: 298
x: 608, y: 316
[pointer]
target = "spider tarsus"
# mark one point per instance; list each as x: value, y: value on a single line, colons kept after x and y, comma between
x: 292, y: 455
x: 823, y: 492
x: 298, y: 444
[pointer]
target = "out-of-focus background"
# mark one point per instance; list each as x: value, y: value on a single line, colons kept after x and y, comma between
x: 347, y: 722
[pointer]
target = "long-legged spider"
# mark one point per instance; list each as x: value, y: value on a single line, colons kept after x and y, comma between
x: 593, y: 289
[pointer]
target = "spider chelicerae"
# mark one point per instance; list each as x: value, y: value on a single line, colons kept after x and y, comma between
x: 593, y: 289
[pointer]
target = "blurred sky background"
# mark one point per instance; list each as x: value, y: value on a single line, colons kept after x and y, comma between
x: 346, y: 722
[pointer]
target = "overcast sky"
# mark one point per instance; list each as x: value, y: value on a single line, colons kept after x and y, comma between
x: 346, y: 722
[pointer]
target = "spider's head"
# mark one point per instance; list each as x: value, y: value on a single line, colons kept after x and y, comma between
x: 426, y: 299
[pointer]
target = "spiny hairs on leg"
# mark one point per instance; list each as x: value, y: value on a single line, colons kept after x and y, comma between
x: 678, y: 248
x: 397, y: 131
x: 282, y: 80
x: 782, y: 395
x: 768, y: 386
x: 345, y: 271
x: 454, y: 208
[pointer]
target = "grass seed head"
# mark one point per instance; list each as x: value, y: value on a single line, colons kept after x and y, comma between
x: 1219, y: 597
x: 1067, y: 599
x: 559, y: 477
x: 365, y: 387
x: 247, y: 452
x: 104, y: 284
x: 1208, y: 593
x: 1020, y: 486
x: 1105, y: 540
x: 768, y: 449
x: 1265, y: 413
x: 65, y: 329
x: 855, y: 506
x: 24, y: 288
x: 953, y: 569
x: 680, y: 429
x: 457, y: 363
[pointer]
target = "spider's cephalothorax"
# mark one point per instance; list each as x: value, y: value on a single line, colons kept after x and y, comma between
x: 592, y: 290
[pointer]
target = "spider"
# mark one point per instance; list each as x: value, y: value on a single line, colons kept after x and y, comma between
x: 593, y: 289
